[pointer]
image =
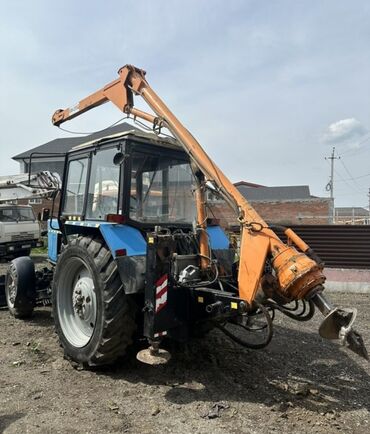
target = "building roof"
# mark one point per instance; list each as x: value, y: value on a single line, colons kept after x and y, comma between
x: 65, y: 144
x: 349, y: 211
x: 248, y: 184
x: 271, y: 194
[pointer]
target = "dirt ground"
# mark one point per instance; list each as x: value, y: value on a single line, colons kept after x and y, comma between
x: 298, y: 384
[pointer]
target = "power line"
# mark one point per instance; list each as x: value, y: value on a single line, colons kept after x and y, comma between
x: 351, y: 152
x: 348, y: 172
x: 355, y: 187
x: 347, y: 183
x: 356, y: 177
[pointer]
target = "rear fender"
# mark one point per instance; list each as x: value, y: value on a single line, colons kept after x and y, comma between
x: 123, y: 240
x: 128, y: 248
x: 126, y: 244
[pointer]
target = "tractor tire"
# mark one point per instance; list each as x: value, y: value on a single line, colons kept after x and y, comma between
x: 20, y: 289
x: 94, y: 318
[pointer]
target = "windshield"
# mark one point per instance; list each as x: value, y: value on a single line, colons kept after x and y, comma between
x: 16, y: 215
x: 161, y: 189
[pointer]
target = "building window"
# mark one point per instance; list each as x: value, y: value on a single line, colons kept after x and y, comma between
x: 12, y: 202
x: 36, y: 201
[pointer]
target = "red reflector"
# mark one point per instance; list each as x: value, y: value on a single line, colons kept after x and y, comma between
x: 121, y: 252
x: 115, y: 218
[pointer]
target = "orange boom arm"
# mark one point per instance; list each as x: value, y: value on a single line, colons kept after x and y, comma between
x: 296, y: 273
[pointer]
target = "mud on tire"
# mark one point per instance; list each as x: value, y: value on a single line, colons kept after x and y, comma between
x: 101, y: 332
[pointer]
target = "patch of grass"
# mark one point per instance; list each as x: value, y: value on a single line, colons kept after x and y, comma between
x: 39, y: 251
x: 34, y: 347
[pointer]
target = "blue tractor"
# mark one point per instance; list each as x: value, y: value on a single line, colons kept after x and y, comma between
x: 136, y: 253
x: 121, y: 196
x: 123, y: 245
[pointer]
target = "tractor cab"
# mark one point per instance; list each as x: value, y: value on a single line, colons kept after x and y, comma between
x: 133, y: 179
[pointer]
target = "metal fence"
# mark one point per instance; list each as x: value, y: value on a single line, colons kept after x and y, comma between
x: 343, y: 246
x: 339, y: 246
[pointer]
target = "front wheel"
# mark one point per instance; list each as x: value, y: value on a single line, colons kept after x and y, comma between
x: 20, y: 289
x: 94, y: 318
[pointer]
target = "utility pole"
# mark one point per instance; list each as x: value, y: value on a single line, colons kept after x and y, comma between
x: 368, y: 195
x: 330, y: 184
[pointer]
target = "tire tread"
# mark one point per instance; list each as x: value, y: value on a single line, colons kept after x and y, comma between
x: 118, y: 311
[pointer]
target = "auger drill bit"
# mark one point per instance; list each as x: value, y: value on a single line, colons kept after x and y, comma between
x: 337, y: 324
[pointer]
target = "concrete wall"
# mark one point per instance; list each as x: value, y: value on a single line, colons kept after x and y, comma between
x: 347, y: 280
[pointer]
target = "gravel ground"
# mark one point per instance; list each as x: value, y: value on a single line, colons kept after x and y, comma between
x: 298, y: 384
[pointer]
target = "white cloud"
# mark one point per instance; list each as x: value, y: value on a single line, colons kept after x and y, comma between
x: 346, y: 131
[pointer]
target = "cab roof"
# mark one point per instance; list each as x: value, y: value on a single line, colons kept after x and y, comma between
x: 63, y: 145
x: 142, y: 136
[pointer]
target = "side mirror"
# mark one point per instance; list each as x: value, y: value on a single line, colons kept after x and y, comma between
x: 45, y: 214
x: 118, y: 159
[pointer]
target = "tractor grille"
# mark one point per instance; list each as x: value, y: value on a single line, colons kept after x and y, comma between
x: 22, y: 236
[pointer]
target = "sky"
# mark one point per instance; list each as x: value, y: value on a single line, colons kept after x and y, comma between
x: 268, y: 88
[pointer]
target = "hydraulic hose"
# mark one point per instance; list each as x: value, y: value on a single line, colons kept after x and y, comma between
x: 251, y: 345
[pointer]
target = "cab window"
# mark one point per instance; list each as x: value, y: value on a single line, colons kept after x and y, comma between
x: 161, y: 189
x: 104, y: 185
x: 75, y: 187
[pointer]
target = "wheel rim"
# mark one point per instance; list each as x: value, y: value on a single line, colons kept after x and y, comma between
x: 76, y: 302
x: 11, y: 292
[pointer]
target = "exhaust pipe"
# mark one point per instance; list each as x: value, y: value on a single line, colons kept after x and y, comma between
x: 337, y: 324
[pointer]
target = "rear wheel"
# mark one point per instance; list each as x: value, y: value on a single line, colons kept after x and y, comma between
x: 94, y: 318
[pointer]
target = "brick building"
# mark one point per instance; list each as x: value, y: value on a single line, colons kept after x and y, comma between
x: 285, y: 205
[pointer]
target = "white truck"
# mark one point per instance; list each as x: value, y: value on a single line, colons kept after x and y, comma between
x: 20, y: 230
